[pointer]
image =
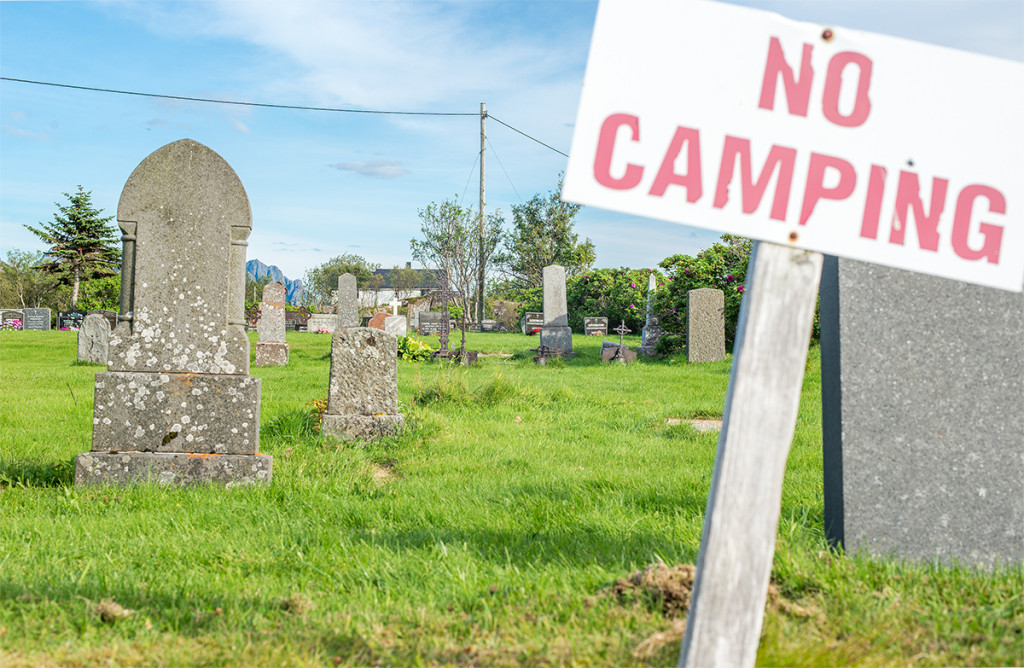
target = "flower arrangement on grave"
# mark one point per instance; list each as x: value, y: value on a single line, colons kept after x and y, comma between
x: 322, y: 330
x: 11, y: 325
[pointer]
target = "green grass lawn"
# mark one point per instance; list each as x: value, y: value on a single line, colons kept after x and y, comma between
x: 490, y: 533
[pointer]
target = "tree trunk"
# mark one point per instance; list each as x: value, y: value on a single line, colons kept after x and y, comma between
x: 74, y: 292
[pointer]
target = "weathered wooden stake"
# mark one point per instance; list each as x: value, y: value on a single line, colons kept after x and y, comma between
x: 742, y: 516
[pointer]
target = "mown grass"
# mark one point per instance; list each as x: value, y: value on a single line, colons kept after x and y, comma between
x: 487, y: 534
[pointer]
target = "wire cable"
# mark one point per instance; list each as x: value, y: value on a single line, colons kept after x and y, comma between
x: 503, y: 169
x: 472, y: 170
x: 527, y: 136
x: 245, y: 104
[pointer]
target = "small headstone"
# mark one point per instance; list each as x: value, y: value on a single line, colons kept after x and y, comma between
x: 13, y: 316
x: 322, y: 322
x: 272, y: 349
x: 488, y: 325
x: 94, y: 339
x: 652, y: 331
x: 348, y: 301
x: 705, y: 325
x: 396, y: 324
x: 596, y: 326
x: 70, y: 319
x: 432, y: 322
x: 377, y: 321
x: 922, y: 385
x: 531, y: 322
x: 37, y: 318
x: 555, y: 334
x: 178, y: 405
x: 362, y: 401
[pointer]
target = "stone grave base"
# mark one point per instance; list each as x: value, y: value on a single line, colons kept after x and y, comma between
x: 610, y: 348
x: 558, y: 339
x: 172, y: 468
x: 176, y: 412
x: 271, y: 354
x: 365, y: 427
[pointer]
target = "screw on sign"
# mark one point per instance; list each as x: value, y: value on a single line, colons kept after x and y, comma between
x: 808, y: 140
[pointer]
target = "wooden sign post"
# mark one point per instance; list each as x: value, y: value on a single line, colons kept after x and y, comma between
x: 813, y: 140
x: 742, y: 517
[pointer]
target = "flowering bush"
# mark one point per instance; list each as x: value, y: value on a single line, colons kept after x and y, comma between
x: 11, y: 325
x: 322, y: 330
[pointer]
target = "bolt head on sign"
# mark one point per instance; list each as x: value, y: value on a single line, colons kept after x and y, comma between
x: 833, y: 140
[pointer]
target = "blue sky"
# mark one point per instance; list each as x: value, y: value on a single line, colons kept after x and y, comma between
x: 321, y: 183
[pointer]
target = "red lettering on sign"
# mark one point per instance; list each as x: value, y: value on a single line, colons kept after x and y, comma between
x: 873, y: 205
x: 798, y: 91
x: 834, y: 82
x: 962, y: 223
x: 779, y: 157
x: 667, y: 175
x: 605, y: 145
x: 816, y: 189
x: 908, y: 196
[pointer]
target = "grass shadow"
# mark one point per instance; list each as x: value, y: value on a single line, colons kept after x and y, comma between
x: 35, y: 474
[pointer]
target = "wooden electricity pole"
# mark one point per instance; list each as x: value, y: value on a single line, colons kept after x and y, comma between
x: 480, y: 277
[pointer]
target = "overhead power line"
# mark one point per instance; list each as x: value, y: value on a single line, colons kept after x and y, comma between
x: 266, y: 105
x: 245, y: 104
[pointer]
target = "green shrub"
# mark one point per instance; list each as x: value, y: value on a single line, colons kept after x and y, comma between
x: 413, y: 349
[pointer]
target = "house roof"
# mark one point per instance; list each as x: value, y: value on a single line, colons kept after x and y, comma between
x: 424, y: 279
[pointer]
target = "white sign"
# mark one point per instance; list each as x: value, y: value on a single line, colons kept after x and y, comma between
x: 833, y: 140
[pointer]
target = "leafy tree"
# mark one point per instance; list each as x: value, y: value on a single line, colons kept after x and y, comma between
x: 450, y: 247
x: 321, y: 281
x: 82, y: 243
x: 101, y: 293
x: 403, y: 280
x: 23, y: 282
x: 542, y: 234
x: 254, y: 289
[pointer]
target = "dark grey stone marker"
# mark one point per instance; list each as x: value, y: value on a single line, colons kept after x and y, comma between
x: 652, y: 330
x: 530, y: 321
x: 362, y: 397
x: 595, y: 326
x: 705, y: 325
x: 37, y: 318
x: 69, y: 319
x: 923, y: 415
x: 431, y: 322
x: 177, y: 404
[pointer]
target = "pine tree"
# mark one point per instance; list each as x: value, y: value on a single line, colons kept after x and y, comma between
x: 82, y: 243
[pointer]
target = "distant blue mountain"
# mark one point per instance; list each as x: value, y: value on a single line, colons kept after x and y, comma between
x: 256, y: 270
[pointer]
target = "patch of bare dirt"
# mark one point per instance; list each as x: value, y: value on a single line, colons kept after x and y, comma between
x: 669, y: 588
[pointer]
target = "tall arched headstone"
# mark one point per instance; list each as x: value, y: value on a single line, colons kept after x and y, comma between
x: 177, y: 404
x: 272, y: 348
x: 555, y: 334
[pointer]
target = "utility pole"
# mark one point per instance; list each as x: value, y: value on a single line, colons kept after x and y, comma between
x: 480, y: 278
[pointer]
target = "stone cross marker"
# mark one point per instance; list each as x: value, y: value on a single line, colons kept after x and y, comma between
x: 394, y: 304
x: 652, y: 331
x: 705, y: 325
x: 555, y: 334
x: 94, y: 339
x: 272, y: 349
x: 362, y: 397
x: 177, y: 404
x: 348, y: 301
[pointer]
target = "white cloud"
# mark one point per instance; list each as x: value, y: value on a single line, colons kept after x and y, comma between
x: 381, y: 169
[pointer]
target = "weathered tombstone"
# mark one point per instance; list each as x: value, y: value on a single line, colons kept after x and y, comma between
x: 37, y: 318
x: 432, y: 322
x: 555, y: 334
x: 69, y: 319
x: 396, y: 324
x: 652, y: 331
x: 94, y: 339
x: 922, y: 420
x: 596, y: 326
x: 12, y: 316
x: 109, y: 315
x: 272, y: 348
x: 362, y: 401
x: 348, y: 301
x: 705, y: 325
x: 377, y: 321
x: 177, y: 404
x: 531, y: 321
x: 488, y: 325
